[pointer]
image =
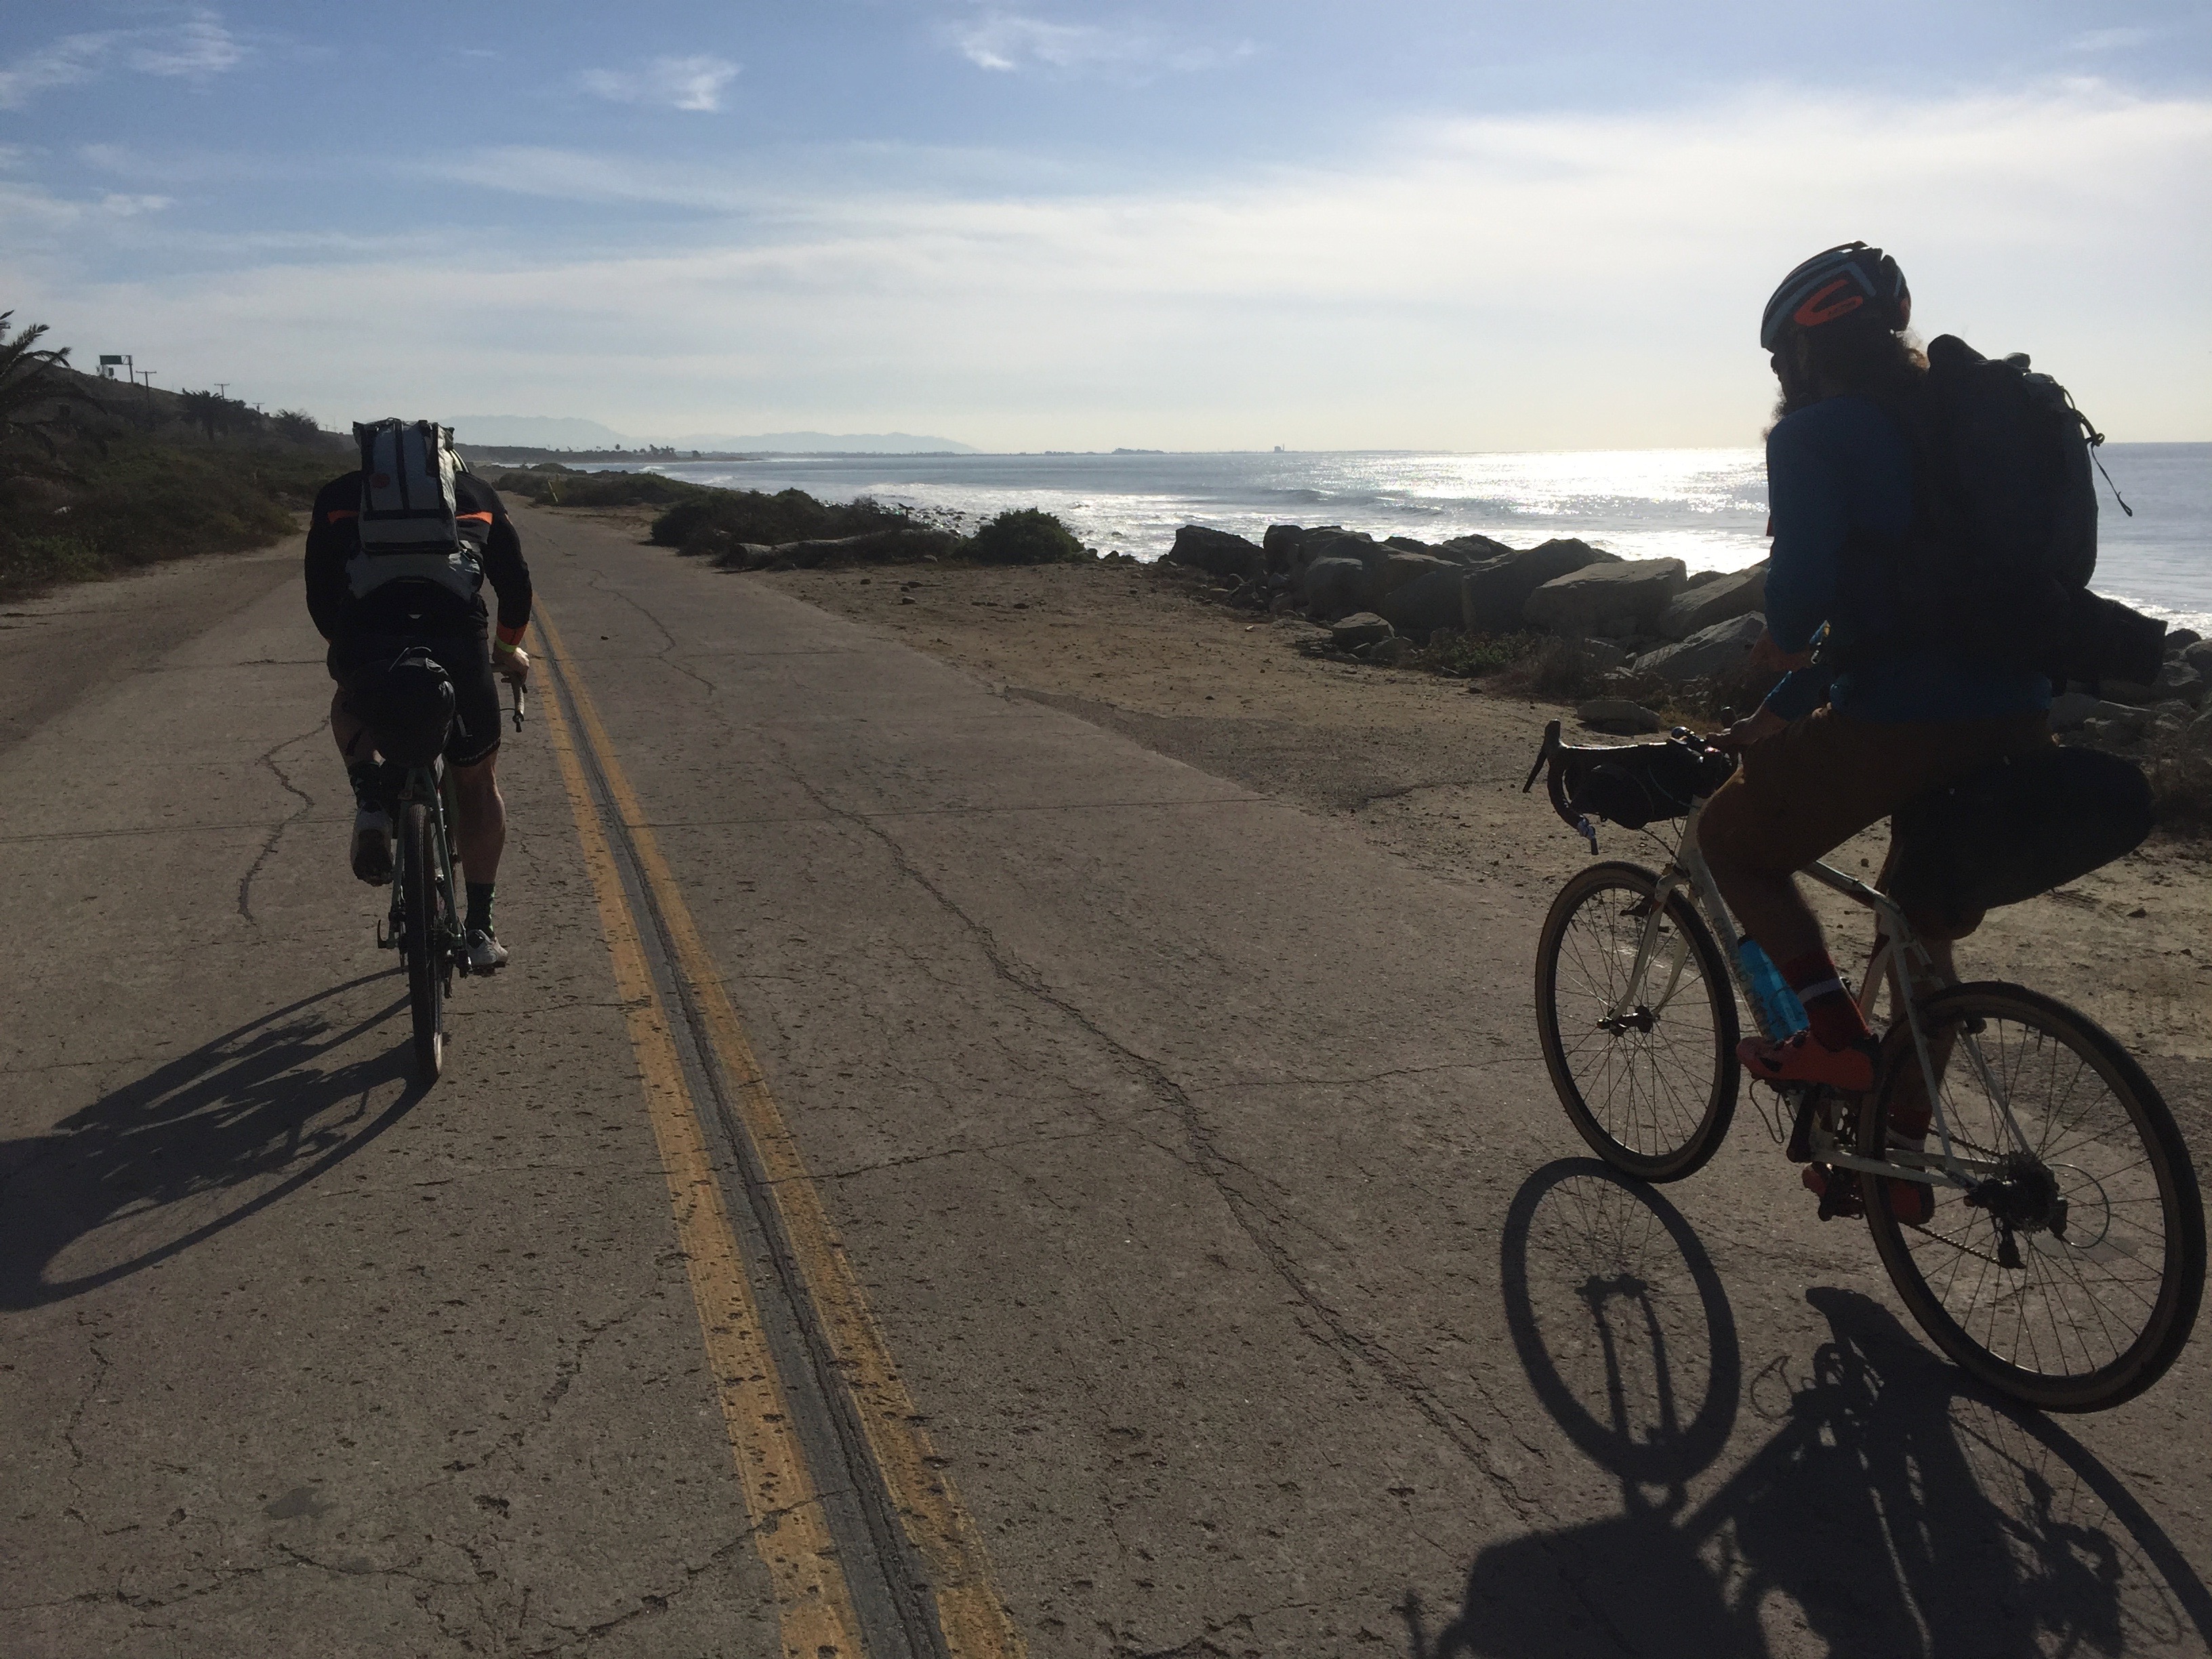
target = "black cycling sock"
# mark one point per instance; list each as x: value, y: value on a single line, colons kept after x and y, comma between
x: 367, y: 779
x: 479, y: 917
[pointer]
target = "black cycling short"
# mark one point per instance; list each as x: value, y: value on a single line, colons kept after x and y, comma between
x: 466, y: 658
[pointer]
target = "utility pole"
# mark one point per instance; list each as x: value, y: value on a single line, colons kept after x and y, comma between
x: 221, y: 387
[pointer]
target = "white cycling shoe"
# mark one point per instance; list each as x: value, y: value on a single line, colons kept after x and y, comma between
x: 486, y: 954
x: 372, y: 845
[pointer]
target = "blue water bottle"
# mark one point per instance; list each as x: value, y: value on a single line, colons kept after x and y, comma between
x: 1773, y: 1001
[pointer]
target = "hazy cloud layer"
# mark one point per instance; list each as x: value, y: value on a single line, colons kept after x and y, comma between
x: 1500, y: 283
x: 687, y: 83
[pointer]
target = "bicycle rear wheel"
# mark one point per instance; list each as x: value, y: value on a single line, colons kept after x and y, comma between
x: 2072, y: 1280
x: 1653, y: 1091
x: 426, y: 965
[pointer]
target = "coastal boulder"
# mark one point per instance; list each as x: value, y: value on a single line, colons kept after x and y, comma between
x: 1718, y: 598
x: 1396, y: 570
x: 1624, y: 597
x: 1361, y: 627
x: 1333, y: 587
x: 1498, y: 590
x: 1281, y: 545
x: 1619, y: 716
x: 1217, y: 552
x: 1434, y: 598
x: 1715, y: 652
x: 1471, y: 550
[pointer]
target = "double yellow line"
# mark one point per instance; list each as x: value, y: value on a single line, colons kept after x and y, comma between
x: 813, y: 1601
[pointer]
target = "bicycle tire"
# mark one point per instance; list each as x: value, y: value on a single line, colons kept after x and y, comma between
x: 1655, y: 1155
x: 425, y: 964
x: 2092, y: 1152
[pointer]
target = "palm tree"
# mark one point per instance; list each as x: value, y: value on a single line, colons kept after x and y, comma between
x: 37, y: 399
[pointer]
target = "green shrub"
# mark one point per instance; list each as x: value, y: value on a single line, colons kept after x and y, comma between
x: 707, y: 516
x: 1470, y: 656
x: 1025, y: 535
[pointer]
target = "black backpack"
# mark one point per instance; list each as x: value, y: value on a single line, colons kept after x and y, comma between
x: 1996, y: 567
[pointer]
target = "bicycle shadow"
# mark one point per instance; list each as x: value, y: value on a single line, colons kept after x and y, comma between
x: 156, y: 1167
x: 1893, y: 1509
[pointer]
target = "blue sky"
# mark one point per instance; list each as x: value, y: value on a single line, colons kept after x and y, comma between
x: 1214, y: 225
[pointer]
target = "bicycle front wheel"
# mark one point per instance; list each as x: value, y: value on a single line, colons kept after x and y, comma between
x: 1647, y: 1071
x: 426, y: 966
x: 2070, y: 1279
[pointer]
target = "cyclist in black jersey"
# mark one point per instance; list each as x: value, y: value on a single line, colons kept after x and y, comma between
x: 368, y: 621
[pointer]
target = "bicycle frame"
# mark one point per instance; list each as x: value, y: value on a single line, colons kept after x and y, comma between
x: 1898, y: 957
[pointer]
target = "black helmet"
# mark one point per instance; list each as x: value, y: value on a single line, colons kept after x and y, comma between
x: 1834, y: 284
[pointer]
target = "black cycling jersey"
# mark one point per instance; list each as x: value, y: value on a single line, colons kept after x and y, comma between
x: 409, y: 607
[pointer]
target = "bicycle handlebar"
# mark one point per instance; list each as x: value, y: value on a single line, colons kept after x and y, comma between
x: 1553, y: 759
x: 521, y: 703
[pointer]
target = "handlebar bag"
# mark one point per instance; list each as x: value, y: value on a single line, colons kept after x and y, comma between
x: 2029, y: 824
x: 410, y: 706
x: 1638, y: 783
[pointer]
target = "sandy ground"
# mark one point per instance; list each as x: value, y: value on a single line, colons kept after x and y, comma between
x: 1432, y: 771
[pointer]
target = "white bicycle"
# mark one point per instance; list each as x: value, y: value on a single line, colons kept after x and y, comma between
x: 2063, y: 1261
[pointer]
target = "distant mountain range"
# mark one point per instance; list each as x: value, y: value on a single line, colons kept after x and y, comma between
x: 567, y: 432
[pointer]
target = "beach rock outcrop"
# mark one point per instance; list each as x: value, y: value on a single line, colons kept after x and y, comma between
x: 1714, y: 653
x: 1392, y: 652
x: 1624, y: 597
x: 1281, y: 545
x: 1217, y: 552
x: 1396, y: 570
x: 1498, y: 589
x: 1435, y: 597
x: 1716, y: 600
x: 1333, y: 587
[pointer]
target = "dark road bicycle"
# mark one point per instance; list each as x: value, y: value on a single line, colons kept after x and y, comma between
x: 2061, y: 1258
x: 425, y: 924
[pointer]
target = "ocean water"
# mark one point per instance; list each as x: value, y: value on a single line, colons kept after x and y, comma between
x: 1704, y: 507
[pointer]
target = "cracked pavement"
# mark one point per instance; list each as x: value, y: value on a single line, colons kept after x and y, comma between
x: 1194, y: 1152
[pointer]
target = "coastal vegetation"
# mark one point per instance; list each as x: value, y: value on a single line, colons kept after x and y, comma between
x: 96, y: 478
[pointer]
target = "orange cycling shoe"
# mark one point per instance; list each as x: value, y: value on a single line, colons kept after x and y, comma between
x: 1801, y: 1059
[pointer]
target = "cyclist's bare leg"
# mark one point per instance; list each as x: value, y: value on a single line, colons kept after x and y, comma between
x: 1768, y: 907
x: 480, y: 829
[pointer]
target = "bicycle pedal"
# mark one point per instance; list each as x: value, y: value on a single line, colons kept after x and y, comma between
x: 1839, y: 1191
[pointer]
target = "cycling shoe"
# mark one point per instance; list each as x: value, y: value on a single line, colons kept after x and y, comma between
x: 1800, y: 1059
x: 372, y: 845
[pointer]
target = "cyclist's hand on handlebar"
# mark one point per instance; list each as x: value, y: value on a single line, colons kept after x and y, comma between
x: 1767, y: 657
x: 513, y: 662
x: 1755, y: 727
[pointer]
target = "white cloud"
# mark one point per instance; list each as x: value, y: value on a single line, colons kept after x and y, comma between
x: 1509, y: 283
x: 1007, y: 41
x: 195, y: 49
x: 690, y: 83
x: 72, y: 58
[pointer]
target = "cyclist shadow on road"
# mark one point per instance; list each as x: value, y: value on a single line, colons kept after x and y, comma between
x: 1894, y: 1508
x: 195, y: 1147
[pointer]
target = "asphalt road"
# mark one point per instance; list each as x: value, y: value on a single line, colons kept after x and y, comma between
x: 939, y: 1178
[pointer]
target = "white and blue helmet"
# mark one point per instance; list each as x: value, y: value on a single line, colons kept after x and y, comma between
x: 1846, y: 279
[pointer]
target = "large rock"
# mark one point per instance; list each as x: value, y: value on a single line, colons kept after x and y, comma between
x: 1333, y: 587
x: 1362, y: 627
x: 1396, y: 570
x: 1434, y: 598
x: 1618, y: 715
x: 1330, y: 541
x: 2199, y: 657
x: 1472, y: 549
x: 1716, y: 652
x: 1407, y: 543
x: 1281, y: 545
x: 1624, y: 597
x: 2175, y: 678
x: 1217, y: 552
x: 1498, y: 589
x: 1702, y: 604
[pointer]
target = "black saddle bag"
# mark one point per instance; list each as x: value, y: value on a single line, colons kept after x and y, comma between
x: 2022, y: 827
x: 408, y: 702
